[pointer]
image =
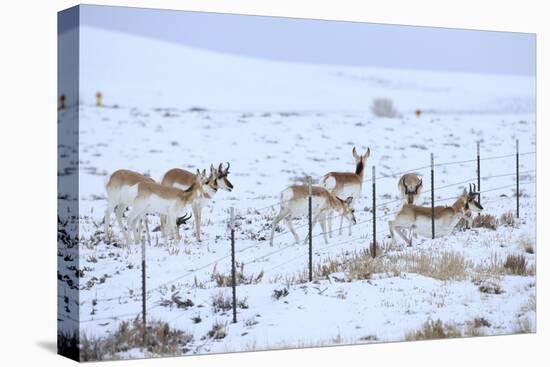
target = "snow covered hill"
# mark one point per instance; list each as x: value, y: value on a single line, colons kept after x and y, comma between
x: 162, y: 74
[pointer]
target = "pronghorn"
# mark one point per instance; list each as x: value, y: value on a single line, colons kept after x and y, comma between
x: 164, y: 200
x: 183, y: 179
x: 121, y: 189
x: 419, y: 218
x: 410, y: 187
x: 347, y: 184
x: 294, y: 202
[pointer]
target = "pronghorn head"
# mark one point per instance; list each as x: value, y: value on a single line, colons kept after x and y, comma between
x: 208, y: 182
x: 346, y: 210
x: 202, y: 180
x: 472, y: 199
x: 360, y: 160
x: 413, y: 187
x: 223, y: 181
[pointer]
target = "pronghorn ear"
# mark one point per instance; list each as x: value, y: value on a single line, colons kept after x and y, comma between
x: 354, y: 152
x: 348, y: 200
x: 367, y: 154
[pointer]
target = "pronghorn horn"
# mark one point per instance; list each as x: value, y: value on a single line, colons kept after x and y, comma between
x: 227, y: 168
x: 183, y: 220
x: 220, y: 167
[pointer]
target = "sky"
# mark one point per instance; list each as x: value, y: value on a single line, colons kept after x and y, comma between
x: 326, y: 42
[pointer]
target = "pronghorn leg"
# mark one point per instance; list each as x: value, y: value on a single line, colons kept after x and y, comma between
x: 330, y: 224
x: 173, y: 225
x: 392, y: 234
x: 133, y: 217
x: 147, y: 229
x: 401, y: 234
x: 341, y: 224
x: 119, y: 211
x: 197, y: 213
x: 288, y: 222
x: 323, y: 222
x: 276, y: 221
x: 313, y: 223
x: 163, y: 225
x: 349, y: 222
x: 108, y: 211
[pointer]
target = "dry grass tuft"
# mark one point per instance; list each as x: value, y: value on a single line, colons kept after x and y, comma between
x: 527, y: 245
x: 516, y: 264
x: 161, y: 340
x: 226, y: 280
x: 434, y: 330
x: 508, y: 219
x: 217, y: 331
x: 485, y: 221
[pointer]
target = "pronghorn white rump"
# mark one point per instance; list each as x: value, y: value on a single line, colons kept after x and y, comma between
x: 410, y: 187
x: 347, y: 184
x: 418, y: 219
x: 183, y: 179
x: 121, y: 190
x: 294, y: 203
x: 164, y: 200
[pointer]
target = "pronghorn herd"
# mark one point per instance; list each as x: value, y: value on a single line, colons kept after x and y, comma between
x: 180, y: 190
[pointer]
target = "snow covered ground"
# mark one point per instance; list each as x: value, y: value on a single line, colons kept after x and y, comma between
x: 306, y: 125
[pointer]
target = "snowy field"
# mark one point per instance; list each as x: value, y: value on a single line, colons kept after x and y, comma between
x: 465, y: 279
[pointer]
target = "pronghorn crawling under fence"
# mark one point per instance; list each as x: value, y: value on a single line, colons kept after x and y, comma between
x: 294, y: 202
x: 410, y: 187
x: 347, y: 184
x: 121, y: 189
x: 183, y: 179
x: 164, y: 200
x: 418, y: 219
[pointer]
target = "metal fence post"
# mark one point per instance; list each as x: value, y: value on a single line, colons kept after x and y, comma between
x: 478, y: 173
x: 310, y: 230
x: 517, y: 178
x: 373, y: 211
x: 433, y: 201
x: 143, y: 294
x: 233, y: 270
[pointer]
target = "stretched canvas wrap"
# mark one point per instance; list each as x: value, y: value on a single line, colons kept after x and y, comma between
x: 234, y: 183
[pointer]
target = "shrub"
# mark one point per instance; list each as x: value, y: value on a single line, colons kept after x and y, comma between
x: 383, y: 107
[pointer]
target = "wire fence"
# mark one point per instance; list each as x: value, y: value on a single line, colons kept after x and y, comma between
x: 135, y: 293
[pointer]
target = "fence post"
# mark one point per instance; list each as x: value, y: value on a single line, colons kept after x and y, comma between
x: 310, y: 230
x: 373, y: 211
x: 433, y: 208
x: 517, y: 178
x: 143, y: 295
x: 233, y: 271
x: 478, y: 174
